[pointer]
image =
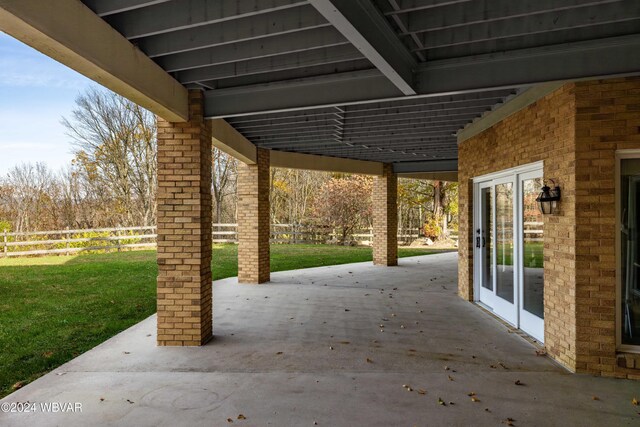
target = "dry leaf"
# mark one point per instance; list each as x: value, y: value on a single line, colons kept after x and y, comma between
x: 473, y: 393
x: 330, y: 348
x: 541, y: 352
x: 130, y: 401
x: 345, y: 342
x: 595, y: 398
x: 102, y: 399
x: 422, y: 391
x: 17, y: 385
x: 518, y: 382
x: 450, y: 378
x: 47, y: 354
x: 242, y: 417
x: 441, y: 402
x: 474, y: 399
x: 279, y: 353
x: 369, y: 360
x: 409, y: 389
x: 634, y: 401
x: 446, y: 368
x: 229, y: 420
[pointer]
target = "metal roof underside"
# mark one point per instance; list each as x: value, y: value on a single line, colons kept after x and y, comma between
x: 382, y: 80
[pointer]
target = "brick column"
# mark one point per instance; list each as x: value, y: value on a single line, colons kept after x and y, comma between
x: 254, y: 220
x: 385, y: 218
x: 184, y: 229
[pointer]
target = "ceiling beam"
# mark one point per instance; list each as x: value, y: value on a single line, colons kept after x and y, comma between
x: 105, y: 8
x: 307, y: 58
x: 426, y: 166
x: 525, y: 25
x: 229, y: 140
x: 175, y: 15
x: 92, y: 48
x: 614, y: 56
x: 293, y: 160
x: 368, y: 30
x: 460, y: 15
x: 405, y: 6
x: 253, y: 49
x: 248, y: 28
x: 332, y: 90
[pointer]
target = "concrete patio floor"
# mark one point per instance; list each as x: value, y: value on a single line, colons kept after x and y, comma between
x: 309, y: 348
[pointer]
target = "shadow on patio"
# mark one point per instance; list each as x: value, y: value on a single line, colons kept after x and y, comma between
x: 344, y: 345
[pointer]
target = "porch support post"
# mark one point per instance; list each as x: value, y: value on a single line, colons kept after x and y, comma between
x: 385, y: 217
x: 254, y: 219
x: 184, y: 229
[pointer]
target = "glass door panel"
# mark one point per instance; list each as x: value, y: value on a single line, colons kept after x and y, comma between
x: 532, y: 245
x: 504, y: 241
x: 484, y: 238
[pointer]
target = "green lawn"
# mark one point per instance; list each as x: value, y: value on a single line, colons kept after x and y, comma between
x: 533, y: 255
x: 55, y: 308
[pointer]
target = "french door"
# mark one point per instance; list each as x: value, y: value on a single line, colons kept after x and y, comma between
x: 508, y: 273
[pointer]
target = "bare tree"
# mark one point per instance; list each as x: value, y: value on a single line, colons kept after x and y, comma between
x: 115, y: 147
x: 224, y: 181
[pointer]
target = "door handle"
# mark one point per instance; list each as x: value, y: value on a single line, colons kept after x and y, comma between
x: 477, y: 242
x: 484, y: 242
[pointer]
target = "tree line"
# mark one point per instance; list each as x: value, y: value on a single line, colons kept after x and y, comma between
x: 111, y: 182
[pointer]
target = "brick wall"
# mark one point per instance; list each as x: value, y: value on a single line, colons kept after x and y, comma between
x: 385, y: 218
x: 542, y: 131
x: 253, y: 220
x: 575, y: 131
x: 607, y: 119
x: 184, y: 229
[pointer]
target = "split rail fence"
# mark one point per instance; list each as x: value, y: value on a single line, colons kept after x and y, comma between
x: 67, y: 242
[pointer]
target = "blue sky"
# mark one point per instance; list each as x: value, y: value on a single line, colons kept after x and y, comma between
x: 35, y: 93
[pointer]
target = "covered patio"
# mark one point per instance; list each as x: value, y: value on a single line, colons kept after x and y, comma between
x: 310, y: 348
x: 501, y: 96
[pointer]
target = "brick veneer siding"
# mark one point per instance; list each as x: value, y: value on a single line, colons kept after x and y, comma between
x: 253, y: 220
x: 575, y: 131
x: 184, y: 229
x: 385, y: 218
x: 607, y: 119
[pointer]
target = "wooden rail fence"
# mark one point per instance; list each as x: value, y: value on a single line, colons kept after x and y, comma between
x: 71, y: 241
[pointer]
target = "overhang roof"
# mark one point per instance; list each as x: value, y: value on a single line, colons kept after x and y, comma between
x: 384, y: 80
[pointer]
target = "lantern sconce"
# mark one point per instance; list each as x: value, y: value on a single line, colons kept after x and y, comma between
x: 548, y: 198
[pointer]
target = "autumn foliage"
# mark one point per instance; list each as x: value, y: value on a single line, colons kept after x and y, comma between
x: 345, y: 203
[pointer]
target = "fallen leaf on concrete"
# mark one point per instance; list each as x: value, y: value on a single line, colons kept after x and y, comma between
x: 446, y: 368
x: 487, y: 410
x: 422, y: 391
x: 242, y: 417
x: 474, y: 399
x: 441, y: 402
x: 503, y: 365
x: 634, y: 401
x: 130, y: 401
x: 102, y: 399
x: 401, y: 326
x: 450, y: 378
x: 412, y: 350
x: 508, y: 421
x: 369, y: 360
x: 330, y: 348
x: 126, y: 352
x: 345, y: 342
x: 229, y: 420
x: 473, y: 393
x: 346, y: 309
x: 541, y: 352
x: 595, y: 398
x: 279, y: 353
x: 518, y: 382
x: 409, y: 389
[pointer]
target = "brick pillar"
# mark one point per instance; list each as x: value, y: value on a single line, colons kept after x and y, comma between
x: 385, y: 218
x: 184, y: 229
x: 254, y: 220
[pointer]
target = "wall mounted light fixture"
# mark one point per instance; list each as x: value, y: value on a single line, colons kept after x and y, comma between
x: 548, y: 198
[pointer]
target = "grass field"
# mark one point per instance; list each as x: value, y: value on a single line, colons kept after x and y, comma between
x: 55, y: 308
